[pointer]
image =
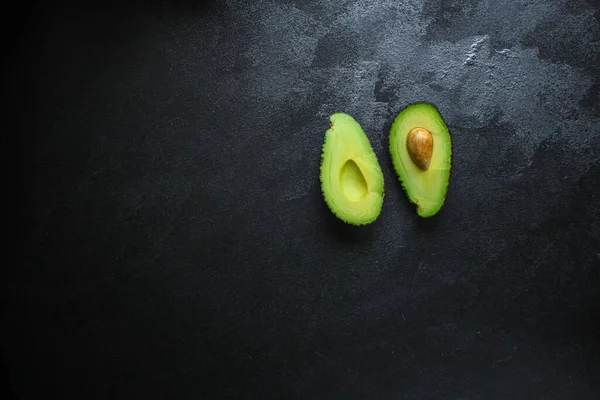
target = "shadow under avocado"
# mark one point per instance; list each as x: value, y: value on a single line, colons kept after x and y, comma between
x: 342, y: 231
x: 427, y: 224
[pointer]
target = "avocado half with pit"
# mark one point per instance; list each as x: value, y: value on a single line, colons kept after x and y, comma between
x: 351, y: 177
x: 421, y: 151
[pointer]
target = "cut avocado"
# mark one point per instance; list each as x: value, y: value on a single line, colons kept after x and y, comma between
x: 351, y: 178
x: 423, y: 171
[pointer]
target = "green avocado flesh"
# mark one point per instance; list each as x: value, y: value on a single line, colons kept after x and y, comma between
x: 425, y: 188
x: 351, y: 178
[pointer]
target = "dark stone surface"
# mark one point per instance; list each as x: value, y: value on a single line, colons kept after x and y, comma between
x: 177, y: 244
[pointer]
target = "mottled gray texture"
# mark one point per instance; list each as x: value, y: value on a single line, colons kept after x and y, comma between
x: 372, y: 58
x: 179, y: 246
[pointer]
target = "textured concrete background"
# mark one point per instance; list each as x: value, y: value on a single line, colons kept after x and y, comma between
x: 178, y: 245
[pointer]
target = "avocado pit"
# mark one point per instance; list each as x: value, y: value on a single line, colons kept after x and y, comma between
x: 419, y: 143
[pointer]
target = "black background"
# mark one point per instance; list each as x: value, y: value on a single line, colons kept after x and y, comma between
x: 176, y: 243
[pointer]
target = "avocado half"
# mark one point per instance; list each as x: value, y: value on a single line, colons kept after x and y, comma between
x: 426, y: 188
x: 351, y: 177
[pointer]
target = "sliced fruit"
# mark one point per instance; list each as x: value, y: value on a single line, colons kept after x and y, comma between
x: 421, y: 150
x: 351, y: 178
